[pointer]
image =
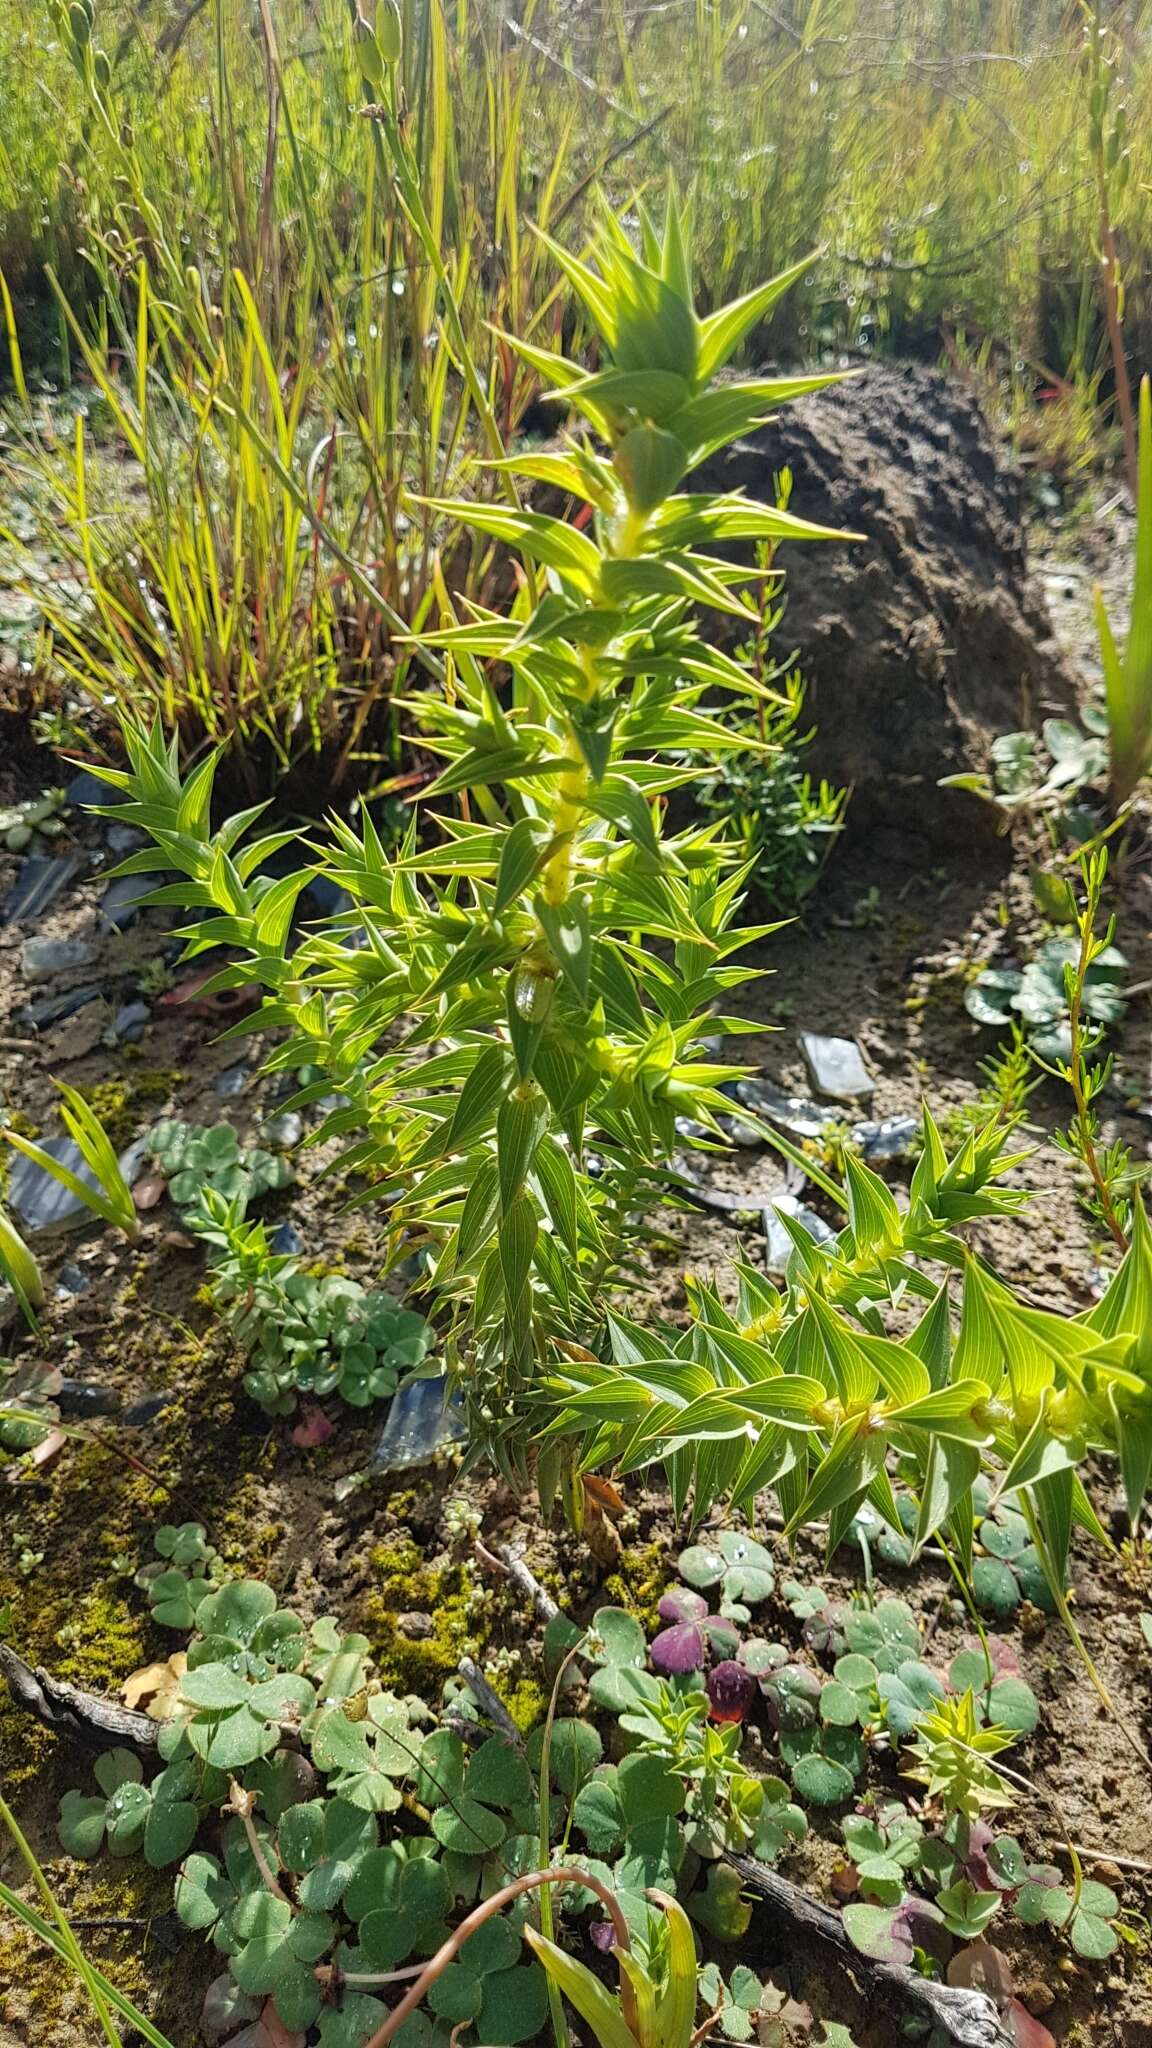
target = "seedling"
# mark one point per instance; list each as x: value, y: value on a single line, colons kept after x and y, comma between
x: 194, y: 1157
x: 1037, y: 995
x: 111, y: 1198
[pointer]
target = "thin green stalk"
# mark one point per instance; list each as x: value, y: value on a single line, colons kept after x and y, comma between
x: 1056, y: 1588
x: 547, y: 1919
x: 65, y: 1944
x: 968, y: 1598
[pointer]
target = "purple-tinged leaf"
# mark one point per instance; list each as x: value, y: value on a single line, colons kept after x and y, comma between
x: 678, y: 1650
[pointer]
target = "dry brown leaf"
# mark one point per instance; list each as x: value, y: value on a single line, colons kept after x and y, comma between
x: 158, y: 1685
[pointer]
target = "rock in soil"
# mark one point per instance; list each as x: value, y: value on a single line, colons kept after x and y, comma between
x: 926, y: 639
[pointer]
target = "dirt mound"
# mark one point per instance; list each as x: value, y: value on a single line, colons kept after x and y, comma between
x: 926, y: 639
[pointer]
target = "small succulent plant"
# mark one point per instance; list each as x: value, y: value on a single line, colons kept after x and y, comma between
x: 886, y: 1631
x: 329, y: 1335
x: 1011, y: 1570
x: 35, y: 818
x: 693, y: 1635
x: 302, y: 1333
x: 195, y: 1156
x: 817, y: 1722
x: 1036, y: 996
x: 283, y: 1727
x: 736, y: 2002
x: 28, y: 1406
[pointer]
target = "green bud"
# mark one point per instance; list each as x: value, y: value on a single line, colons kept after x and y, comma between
x: 80, y: 23
x: 649, y: 463
x: 388, y: 30
x: 101, y: 70
x: 368, y: 52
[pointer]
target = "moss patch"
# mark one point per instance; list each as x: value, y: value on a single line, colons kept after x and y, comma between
x: 119, y: 1104
x: 447, y: 1592
x: 639, y: 1581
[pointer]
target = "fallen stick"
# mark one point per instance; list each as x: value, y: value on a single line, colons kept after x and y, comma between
x: 65, y: 1708
x: 966, y: 2018
x: 489, y: 1700
x: 526, y: 1583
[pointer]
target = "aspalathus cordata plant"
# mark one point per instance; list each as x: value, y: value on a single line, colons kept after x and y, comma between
x: 517, y: 1004
x: 806, y: 1392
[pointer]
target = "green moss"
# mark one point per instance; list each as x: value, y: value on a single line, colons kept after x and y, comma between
x: 120, y: 1104
x: 527, y: 1702
x: 638, y: 1583
x: 448, y: 1593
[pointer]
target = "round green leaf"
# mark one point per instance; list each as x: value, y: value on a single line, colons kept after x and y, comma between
x: 619, y: 1636
x: 468, y: 1827
x: 117, y: 1767
x: 494, y: 1946
x: 202, y: 1892
x: 81, y: 1824
x: 575, y: 1751
x: 230, y: 1740
x: 214, y: 1686
x: 514, y: 2006
x: 1014, y: 1705
x: 169, y: 1831
x: 357, y: 2020
x: 457, y: 1994
x: 839, y: 1705
x: 821, y: 1781
x: 498, y: 1774
x: 702, y: 1565
x: 598, y: 1816
x: 994, y: 1587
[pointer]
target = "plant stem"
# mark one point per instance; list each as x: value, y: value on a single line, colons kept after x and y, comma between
x: 1056, y: 1589
x: 68, y: 1946
x: 1084, y: 1134
x: 242, y: 1803
x: 496, y: 1904
x: 547, y: 1923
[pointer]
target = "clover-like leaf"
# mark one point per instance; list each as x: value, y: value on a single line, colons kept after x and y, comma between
x: 203, y: 1893
x: 721, y: 1907
x: 574, y: 1752
x: 821, y: 1780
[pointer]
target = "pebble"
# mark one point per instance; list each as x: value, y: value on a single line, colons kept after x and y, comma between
x: 72, y: 1279
x: 780, y: 1246
x: 41, y: 958
x: 791, y: 1112
x: 122, y: 899
x: 146, y: 1410
x: 129, y: 1022
x: 84, y: 1402
x: 286, y: 1239
x: 37, y: 885
x: 836, y: 1066
x: 53, y: 1009
x: 284, y: 1130
x: 124, y: 839
x: 40, y: 1200
x: 232, y: 1081
x: 892, y: 1139
x: 1038, y: 1997
x: 330, y: 899
x: 417, y: 1627
x: 741, y: 1134
x: 86, y: 788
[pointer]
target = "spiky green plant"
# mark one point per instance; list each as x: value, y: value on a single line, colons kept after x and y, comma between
x: 524, y: 1020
